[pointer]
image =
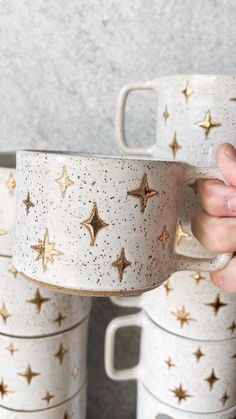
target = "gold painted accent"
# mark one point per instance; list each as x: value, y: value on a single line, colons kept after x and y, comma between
x: 143, y: 192
x: 64, y: 182
x: 75, y: 372
x: 180, y: 393
x: 187, y: 91
x: 208, y: 123
x: 38, y: 300
x: 11, y: 183
x: 164, y: 236
x: 4, y: 313
x: 61, y: 353
x: 194, y: 187
x: 212, y: 379
x: 3, y: 232
x: 224, y: 398
x: 180, y: 233
x: 232, y: 327
x: 4, y: 389
x: 198, y: 277
x: 60, y: 318
x: 13, y: 271
x: 217, y: 304
x: 48, y: 397
x: 28, y: 203
x: 94, y: 224
x: 175, y: 146
x: 121, y: 264
x: 46, y: 250
x: 166, y: 114
x: 183, y: 316
x: 198, y: 354
x: 168, y: 286
x: 11, y: 348
x: 169, y: 363
x: 29, y: 374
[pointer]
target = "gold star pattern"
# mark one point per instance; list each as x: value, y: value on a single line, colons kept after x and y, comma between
x: 11, y: 183
x: 46, y: 250
x: 48, y: 397
x: 38, y: 300
x: 143, y: 192
x: 121, y: 264
x: 217, y: 304
x: 175, y: 146
x: 4, y: 389
x: 13, y: 271
x: 194, y: 187
x: 232, y: 327
x: 4, y: 313
x: 61, y: 353
x: 180, y: 393
x: 183, y: 316
x: 180, y: 233
x: 28, y: 203
x: 11, y: 348
x: 187, y: 91
x: 169, y: 363
x: 224, y: 398
x: 168, y: 287
x: 60, y: 318
x: 29, y: 374
x: 64, y: 182
x: 2, y: 232
x: 166, y: 114
x: 208, y: 123
x: 164, y: 236
x: 198, y: 277
x: 212, y: 379
x: 94, y: 224
x: 198, y: 354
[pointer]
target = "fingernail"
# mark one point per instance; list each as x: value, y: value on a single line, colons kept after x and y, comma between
x: 230, y: 152
x: 232, y: 204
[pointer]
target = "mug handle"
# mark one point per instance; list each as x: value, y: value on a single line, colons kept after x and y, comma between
x: 120, y: 117
x: 135, y: 301
x: 187, y: 263
x: 109, y: 354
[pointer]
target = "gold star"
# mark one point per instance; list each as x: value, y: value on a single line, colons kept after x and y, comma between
x: 61, y: 353
x: 2, y: 232
x: 64, y: 182
x: 4, y: 389
x: 194, y: 187
x: 175, y: 146
x: 28, y: 203
x: 183, y: 316
x: 75, y: 372
x: 164, y: 236
x: 198, y: 277
x: 166, y: 114
x: 187, y: 91
x: 48, y: 397
x: 121, y: 264
x: 180, y: 393
x: 4, y: 313
x: 198, y: 354
x: 38, y: 300
x: 232, y: 327
x: 11, y: 183
x: 217, y: 304
x: 45, y: 250
x: 29, y: 374
x: 11, y: 349
x: 180, y: 233
x: 170, y: 363
x: 143, y: 192
x: 208, y: 123
x: 212, y: 379
x: 13, y: 271
x: 224, y: 398
x: 168, y: 287
x: 94, y: 224
x: 60, y: 318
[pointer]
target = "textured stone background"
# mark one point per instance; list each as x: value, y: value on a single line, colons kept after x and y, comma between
x: 62, y: 63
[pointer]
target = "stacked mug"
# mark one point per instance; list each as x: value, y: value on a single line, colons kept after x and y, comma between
x: 43, y: 334
x: 187, y: 364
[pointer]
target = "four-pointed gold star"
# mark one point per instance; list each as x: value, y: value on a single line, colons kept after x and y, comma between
x: 187, y: 91
x: 166, y: 114
x: 48, y: 397
x: 232, y: 327
x: 11, y: 183
x: 60, y: 318
x: 174, y: 145
x: 29, y: 374
x: 217, y: 304
x: 198, y: 277
x: 13, y: 271
x: 38, y: 300
x: 180, y: 393
x: 61, y: 353
x: 28, y: 203
x: 168, y: 286
x: 224, y: 398
x: 208, y: 123
x: 169, y: 363
x: 180, y: 233
x: 198, y: 354
x: 11, y: 348
x: 4, y: 391
x: 4, y: 313
x: 2, y: 232
x: 46, y: 250
x: 143, y: 192
x: 94, y: 224
x: 121, y: 264
x: 164, y: 236
x: 183, y: 316
x: 64, y: 182
x: 212, y: 379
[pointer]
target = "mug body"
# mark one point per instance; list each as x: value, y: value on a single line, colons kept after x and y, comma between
x: 7, y: 203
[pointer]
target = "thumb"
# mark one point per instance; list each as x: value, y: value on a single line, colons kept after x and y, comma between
x: 226, y: 160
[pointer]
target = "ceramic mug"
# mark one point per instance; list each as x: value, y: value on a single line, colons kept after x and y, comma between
x: 190, y: 374
x: 195, y: 113
x: 101, y: 225
x: 148, y: 406
x: 26, y: 310
x: 73, y: 408
x: 42, y: 373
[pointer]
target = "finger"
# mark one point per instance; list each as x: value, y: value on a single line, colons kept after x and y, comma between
x: 218, y: 235
x: 217, y: 198
x: 226, y: 160
x: 226, y: 278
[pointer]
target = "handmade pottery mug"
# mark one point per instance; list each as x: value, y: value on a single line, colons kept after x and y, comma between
x: 191, y: 374
x: 99, y: 225
x: 26, y: 310
x: 192, y: 110
x: 43, y: 372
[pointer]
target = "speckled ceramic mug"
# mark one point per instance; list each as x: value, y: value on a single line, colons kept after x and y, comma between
x: 40, y: 373
x: 195, y: 113
x: 26, y: 310
x: 194, y: 375
x: 101, y: 225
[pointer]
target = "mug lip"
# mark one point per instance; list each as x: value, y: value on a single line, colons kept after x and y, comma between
x: 196, y: 76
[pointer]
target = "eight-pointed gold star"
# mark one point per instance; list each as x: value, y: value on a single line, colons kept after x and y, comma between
x: 169, y: 363
x: 11, y: 183
x: 217, y: 304
x: 164, y: 236
x: 166, y: 114
x: 180, y: 233
x: 212, y: 379
x: 183, y: 316
x: 46, y: 250
x: 187, y: 91
x: 94, y: 224
x: 121, y: 264
x: 4, y: 313
x: 64, y: 182
x: 224, y: 398
x: 208, y: 123
x: 48, y: 397
x: 29, y: 374
x: 38, y: 300
x: 4, y: 389
x: 61, y: 353
x: 175, y: 146
x: 168, y: 287
x: 28, y: 203
x: 198, y: 277
x: 11, y: 348
x: 180, y: 393
x: 198, y: 354
x: 143, y: 192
